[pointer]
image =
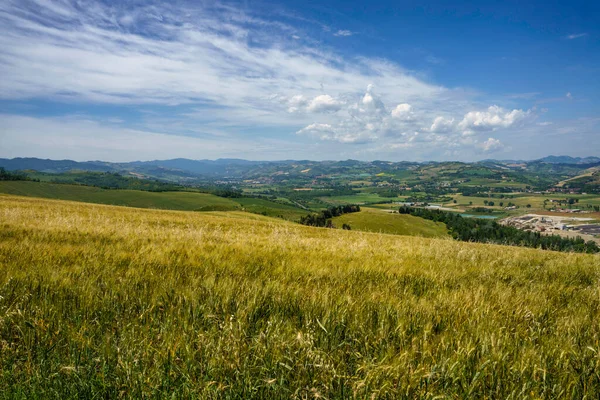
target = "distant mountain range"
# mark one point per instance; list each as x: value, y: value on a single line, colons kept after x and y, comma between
x: 569, y: 160
x: 181, y: 169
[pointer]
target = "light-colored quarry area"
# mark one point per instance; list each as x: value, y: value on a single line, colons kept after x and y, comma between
x: 565, y: 226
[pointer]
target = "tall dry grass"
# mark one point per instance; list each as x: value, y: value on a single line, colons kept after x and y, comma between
x: 105, y: 302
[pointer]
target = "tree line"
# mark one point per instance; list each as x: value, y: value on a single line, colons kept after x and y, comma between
x: 487, y: 231
x: 323, y: 219
x: 12, y: 176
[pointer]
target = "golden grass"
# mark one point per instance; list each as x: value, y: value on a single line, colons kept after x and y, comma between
x: 102, y: 301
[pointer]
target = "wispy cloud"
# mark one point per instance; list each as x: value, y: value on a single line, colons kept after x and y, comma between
x: 343, y: 32
x: 576, y: 36
x: 236, y: 71
x: 431, y: 59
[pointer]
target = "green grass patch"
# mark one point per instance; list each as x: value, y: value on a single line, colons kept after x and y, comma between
x: 270, y: 208
x: 185, y: 201
x: 376, y: 220
x: 358, y: 198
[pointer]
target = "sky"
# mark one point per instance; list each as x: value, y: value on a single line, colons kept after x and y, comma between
x: 321, y: 80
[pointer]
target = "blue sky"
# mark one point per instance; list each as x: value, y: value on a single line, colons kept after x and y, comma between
x: 392, y: 80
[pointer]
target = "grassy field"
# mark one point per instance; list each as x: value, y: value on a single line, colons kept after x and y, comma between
x: 535, y: 200
x: 271, y: 209
x: 358, y: 198
x: 181, y: 201
x: 375, y: 220
x: 104, y: 302
x: 185, y: 201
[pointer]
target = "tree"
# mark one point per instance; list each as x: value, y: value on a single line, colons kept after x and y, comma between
x: 346, y: 227
x: 528, y: 206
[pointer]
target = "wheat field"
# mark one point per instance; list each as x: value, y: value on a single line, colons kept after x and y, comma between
x: 112, y: 302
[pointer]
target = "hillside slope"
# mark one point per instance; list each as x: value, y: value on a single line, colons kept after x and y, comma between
x: 176, y: 200
x: 374, y: 220
x: 184, y: 201
x: 102, y: 301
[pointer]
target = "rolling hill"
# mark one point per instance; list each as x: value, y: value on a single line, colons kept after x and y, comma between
x: 104, y: 301
x: 187, y: 201
x: 382, y: 221
x: 178, y: 200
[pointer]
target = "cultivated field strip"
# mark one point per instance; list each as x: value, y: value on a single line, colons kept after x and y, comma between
x: 102, y: 301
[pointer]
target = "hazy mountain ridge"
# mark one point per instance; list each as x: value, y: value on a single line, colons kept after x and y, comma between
x: 182, y: 169
x: 569, y: 160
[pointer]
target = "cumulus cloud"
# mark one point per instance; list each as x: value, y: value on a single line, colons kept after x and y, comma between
x: 363, y: 120
x: 492, y: 145
x: 442, y: 125
x: 324, y: 103
x: 493, y: 118
x: 403, y: 111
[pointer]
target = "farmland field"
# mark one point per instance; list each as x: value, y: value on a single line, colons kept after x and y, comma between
x: 375, y: 220
x: 358, y: 198
x: 535, y: 200
x: 270, y: 208
x: 100, y: 301
x: 183, y: 201
x: 187, y: 201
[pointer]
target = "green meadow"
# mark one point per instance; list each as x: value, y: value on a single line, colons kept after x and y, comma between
x: 382, y: 221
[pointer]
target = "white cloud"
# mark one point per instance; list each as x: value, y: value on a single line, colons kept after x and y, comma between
x: 569, y: 96
x: 343, y: 32
x: 324, y: 103
x: 316, y: 128
x: 442, y: 125
x: 494, y: 118
x: 340, y: 133
x: 576, y: 36
x: 403, y: 111
x: 492, y: 145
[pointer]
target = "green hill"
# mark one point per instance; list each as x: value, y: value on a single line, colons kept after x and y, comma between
x: 270, y: 208
x: 375, y: 220
x: 99, y: 301
x: 186, y: 201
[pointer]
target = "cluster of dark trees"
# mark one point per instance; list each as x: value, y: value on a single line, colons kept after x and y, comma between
x: 323, y: 219
x: 428, y: 198
x: 486, y: 191
x: 12, y: 176
x: 230, y: 193
x: 488, y: 231
x: 482, y: 210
